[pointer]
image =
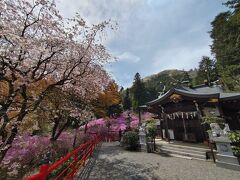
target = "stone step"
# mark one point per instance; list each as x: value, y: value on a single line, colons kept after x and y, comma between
x: 182, y: 153
x: 227, y: 159
x: 228, y: 165
x: 186, y: 157
x: 186, y: 150
x: 194, y: 148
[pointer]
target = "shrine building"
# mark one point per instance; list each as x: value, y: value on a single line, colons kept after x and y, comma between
x: 180, y: 111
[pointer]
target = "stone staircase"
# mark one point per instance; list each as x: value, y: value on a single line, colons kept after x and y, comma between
x: 184, y: 150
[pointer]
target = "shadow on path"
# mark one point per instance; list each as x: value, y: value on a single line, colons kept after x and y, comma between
x: 112, y: 162
x: 85, y: 172
x: 108, y: 163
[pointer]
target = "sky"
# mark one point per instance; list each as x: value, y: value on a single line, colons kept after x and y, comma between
x: 152, y: 35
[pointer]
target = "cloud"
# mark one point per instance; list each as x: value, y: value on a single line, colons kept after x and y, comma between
x: 129, y: 57
x: 152, y: 35
x: 182, y: 58
x: 96, y: 11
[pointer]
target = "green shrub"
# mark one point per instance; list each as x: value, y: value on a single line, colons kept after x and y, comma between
x: 212, y: 119
x: 234, y: 136
x: 152, y: 129
x: 130, y: 140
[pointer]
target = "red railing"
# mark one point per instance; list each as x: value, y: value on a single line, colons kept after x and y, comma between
x: 72, y: 161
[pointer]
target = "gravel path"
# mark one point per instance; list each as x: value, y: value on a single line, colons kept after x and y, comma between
x: 113, y: 163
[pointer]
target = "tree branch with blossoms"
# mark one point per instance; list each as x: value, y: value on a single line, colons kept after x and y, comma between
x: 38, y: 53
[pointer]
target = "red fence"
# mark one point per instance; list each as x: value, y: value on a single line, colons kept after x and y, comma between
x: 70, y: 164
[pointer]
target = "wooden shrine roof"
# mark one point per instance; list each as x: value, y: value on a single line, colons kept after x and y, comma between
x: 203, y: 93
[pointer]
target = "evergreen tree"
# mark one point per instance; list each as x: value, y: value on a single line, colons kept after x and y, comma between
x: 226, y: 45
x: 127, y: 104
x: 138, y: 92
x: 186, y: 78
x: 207, y: 71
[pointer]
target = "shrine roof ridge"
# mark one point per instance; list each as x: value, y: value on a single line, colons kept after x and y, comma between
x: 199, y: 92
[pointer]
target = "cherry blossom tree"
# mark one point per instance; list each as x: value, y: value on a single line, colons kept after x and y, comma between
x: 72, y: 107
x: 38, y: 47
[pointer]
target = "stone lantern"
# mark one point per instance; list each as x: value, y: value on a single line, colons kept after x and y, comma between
x: 142, y: 137
x: 224, y: 157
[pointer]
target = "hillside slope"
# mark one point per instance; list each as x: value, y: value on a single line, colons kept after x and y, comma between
x: 155, y: 83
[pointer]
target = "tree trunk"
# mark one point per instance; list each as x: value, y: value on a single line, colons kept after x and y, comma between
x: 23, y: 112
x: 11, y: 95
x: 75, y: 138
x: 56, y: 123
x: 3, y: 131
x: 86, y: 127
x: 56, y: 136
x: 8, y: 142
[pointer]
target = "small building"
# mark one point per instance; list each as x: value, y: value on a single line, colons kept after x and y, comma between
x: 180, y: 111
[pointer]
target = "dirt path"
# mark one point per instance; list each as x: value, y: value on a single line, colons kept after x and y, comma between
x: 111, y: 162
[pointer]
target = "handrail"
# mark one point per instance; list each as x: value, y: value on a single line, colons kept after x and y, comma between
x: 79, y: 157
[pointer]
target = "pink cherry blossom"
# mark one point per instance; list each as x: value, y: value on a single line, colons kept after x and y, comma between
x: 38, y: 45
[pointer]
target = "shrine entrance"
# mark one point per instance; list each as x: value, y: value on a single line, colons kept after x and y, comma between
x: 183, y: 129
x: 180, y: 111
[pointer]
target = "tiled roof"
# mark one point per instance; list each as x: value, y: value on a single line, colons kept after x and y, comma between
x: 229, y: 95
x: 198, y: 92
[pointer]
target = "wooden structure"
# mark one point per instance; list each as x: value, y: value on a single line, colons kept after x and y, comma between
x: 180, y: 111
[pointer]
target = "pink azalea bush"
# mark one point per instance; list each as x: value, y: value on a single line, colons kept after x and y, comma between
x: 24, y: 151
x: 27, y: 151
x: 119, y: 122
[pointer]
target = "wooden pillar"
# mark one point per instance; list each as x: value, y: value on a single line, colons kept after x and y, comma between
x: 199, y: 116
x: 161, y: 128
x: 202, y: 128
x: 220, y: 109
x: 166, y: 122
x: 161, y: 134
x: 166, y: 130
x: 185, y: 130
